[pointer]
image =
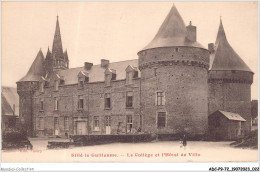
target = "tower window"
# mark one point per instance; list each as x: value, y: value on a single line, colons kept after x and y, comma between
x: 107, y: 101
x: 161, y: 119
x: 41, y: 123
x: 41, y: 105
x: 160, y: 99
x: 129, y: 99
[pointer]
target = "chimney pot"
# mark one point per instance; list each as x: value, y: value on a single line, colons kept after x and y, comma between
x: 88, y: 65
x: 211, y: 47
x: 104, y: 63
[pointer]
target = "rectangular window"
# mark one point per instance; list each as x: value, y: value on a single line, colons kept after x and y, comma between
x: 107, y: 80
x: 66, y: 123
x: 41, y: 123
x: 56, y: 85
x: 108, y: 120
x: 129, y: 99
x: 56, y: 103
x: 81, y: 84
x: 161, y: 119
x: 96, y: 123
x: 107, y: 101
x: 129, y: 124
x: 160, y: 99
x: 41, y: 102
x: 129, y: 78
x: 81, y: 102
x: 56, y: 123
x: 42, y: 87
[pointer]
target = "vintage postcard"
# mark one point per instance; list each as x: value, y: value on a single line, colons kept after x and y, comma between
x: 129, y: 82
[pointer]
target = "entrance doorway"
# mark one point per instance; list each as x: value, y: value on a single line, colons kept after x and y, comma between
x: 81, y: 128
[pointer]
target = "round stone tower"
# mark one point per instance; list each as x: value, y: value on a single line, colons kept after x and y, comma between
x: 229, y: 81
x: 174, y: 72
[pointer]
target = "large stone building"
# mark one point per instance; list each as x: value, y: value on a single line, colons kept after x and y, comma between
x: 172, y: 87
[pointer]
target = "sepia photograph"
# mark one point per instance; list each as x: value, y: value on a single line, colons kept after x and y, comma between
x: 129, y: 81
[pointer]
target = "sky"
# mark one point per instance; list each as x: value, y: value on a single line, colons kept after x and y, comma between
x: 116, y: 31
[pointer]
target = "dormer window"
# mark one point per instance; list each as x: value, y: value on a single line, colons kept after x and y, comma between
x: 56, y: 85
x: 131, y: 72
x: 42, y: 87
x: 110, y: 74
x: 82, y: 78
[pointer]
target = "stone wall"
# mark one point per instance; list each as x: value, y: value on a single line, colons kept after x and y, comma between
x: 181, y: 73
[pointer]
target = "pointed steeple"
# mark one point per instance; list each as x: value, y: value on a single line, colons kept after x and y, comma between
x: 57, y: 50
x: 48, y: 61
x: 36, y: 70
x: 172, y: 32
x: 225, y: 57
x: 66, y: 55
x: 221, y: 33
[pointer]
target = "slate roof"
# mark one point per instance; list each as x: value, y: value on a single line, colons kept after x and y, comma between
x: 225, y: 58
x: 172, y: 33
x: 9, y: 98
x: 36, y: 70
x: 96, y: 73
x: 232, y: 116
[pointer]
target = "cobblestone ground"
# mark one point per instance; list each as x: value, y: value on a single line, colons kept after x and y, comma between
x: 168, y: 151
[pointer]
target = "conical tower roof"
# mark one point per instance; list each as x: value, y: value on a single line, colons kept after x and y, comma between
x: 57, y: 50
x: 36, y: 70
x: 48, y: 55
x: 172, y: 33
x: 225, y: 56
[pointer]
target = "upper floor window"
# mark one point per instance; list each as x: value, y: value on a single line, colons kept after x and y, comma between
x: 107, y: 101
x: 161, y: 119
x: 56, y: 85
x: 81, y: 102
x: 129, y: 99
x: 41, y: 105
x: 129, y: 77
x: 56, y: 103
x: 160, y: 98
x: 42, y: 87
x: 107, y: 80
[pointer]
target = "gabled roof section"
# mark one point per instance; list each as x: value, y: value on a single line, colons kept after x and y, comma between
x: 10, y: 98
x: 225, y: 58
x: 172, y: 33
x: 230, y: 115
x: 36, y: 70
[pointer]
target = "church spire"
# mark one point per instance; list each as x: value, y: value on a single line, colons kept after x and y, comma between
x: 57, y: 50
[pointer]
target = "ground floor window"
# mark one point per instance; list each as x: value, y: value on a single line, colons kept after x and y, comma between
x: 108, y: 124
x: 56, y: 126
x: 129, y: 124
x: 66, y: 123
x: 41, y: 123
x: 161, y: 120
x: 96, y: 123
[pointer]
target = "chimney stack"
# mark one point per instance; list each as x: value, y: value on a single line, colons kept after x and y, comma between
x: 104, y: 63
x: 192, y: 32
x: 88, y: 65
x: 211, y: 48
